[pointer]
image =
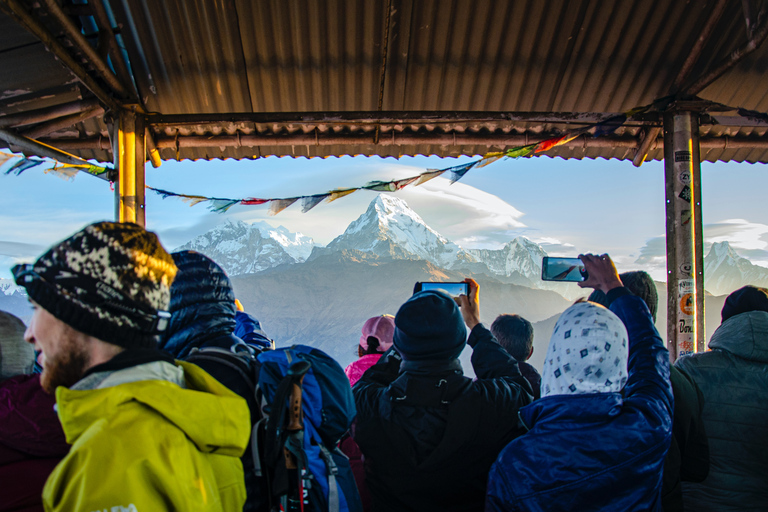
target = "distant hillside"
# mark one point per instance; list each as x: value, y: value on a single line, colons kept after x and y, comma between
x: 325, y: 301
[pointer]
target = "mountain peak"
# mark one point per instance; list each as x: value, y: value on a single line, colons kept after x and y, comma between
x: 390, y: 228
x: 389, y: 208
x: 242, y: 248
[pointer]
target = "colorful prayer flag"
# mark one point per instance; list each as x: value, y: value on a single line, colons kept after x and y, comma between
x: 278, y: 205
x: 309, y: 202
x: 338, y: 194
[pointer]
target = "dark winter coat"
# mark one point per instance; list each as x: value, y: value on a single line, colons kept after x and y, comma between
x: 688, y: 456
x: 430, y: 434
x: 596, y: 452
x: 533, y: 377
x: 31, y: 442
x: 733, y: 377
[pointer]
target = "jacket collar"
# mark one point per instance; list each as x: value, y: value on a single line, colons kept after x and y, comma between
x: 216, y: 420
x: 561, y: 411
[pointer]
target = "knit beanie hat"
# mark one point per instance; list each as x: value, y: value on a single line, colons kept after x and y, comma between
x: 429, y: 326
x: 17, y: 357
x: 640, y: 284
x: 111, y: 281
x: 745, y: 299
x: 587, y: 353
x: 380, y: 327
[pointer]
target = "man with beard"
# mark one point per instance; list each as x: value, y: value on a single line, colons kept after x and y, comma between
x: 147, y: 432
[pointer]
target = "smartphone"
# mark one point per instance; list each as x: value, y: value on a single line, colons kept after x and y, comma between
x: 452, y: 289
x: 563, y: 269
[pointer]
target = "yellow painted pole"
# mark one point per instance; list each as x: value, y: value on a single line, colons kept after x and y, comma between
x: 130, y: 165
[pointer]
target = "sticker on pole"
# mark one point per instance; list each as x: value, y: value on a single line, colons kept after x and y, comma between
x: 685, y: 217
x: 686, y: 269
x: 682, y: 156
x: 686, y: 304
x: 684, y: 177
x: 685, y: 194
x: 684, y: 348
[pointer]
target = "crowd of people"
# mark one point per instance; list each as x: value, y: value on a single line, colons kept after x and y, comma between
x: 137, y: 404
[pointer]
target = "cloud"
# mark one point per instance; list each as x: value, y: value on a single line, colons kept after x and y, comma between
x: 748, y: 239
x: 555, y: 247
x: 20, y: 250
x: 740, y: 233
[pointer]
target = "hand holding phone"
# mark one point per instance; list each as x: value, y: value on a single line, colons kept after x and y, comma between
x: 603, y: 275
x: 563, y: 269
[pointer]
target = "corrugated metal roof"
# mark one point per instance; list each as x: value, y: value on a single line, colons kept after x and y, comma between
x: 214, y: 56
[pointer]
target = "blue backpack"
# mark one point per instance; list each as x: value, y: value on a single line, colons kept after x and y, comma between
x: 308, y: 406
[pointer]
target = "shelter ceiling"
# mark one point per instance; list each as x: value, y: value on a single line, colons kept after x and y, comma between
x: 190, y: 57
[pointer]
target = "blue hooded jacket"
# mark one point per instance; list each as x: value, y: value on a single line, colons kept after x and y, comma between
x: 202, y: 307
x: 602, y: 451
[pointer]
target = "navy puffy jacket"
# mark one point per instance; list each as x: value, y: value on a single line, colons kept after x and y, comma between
x: 602, y: 451
x: 202, y: 307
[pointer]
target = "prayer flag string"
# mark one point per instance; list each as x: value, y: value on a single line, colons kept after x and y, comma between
x: 455, y: 173
x: 276, y: 205
x: 65, y: 171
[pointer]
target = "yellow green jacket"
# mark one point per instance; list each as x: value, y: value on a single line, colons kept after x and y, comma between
x: 151, y: 445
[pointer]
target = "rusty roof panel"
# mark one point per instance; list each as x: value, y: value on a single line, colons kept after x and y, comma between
x: 208, y: 56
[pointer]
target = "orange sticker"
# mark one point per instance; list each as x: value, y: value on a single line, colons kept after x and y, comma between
x: 686, y: 304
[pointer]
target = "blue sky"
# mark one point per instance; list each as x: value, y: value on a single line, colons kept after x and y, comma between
x: 568, y: 206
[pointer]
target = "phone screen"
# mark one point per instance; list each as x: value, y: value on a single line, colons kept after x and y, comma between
x: 452, y: 289
x: 562, y: 269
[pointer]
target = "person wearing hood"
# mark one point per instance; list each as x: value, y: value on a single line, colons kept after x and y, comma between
x: 733, y: 377
x: 31, y: 440
x: 147, y: 432
x: 688, y: 456
x: 430, y: 434
x: 375, y: 339
x: 203, y: 309
x: 598, y: 436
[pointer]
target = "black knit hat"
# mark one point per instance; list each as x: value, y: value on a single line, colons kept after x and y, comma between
x: 429, y: 326
x: 111, y: 281
x: 745, y: 299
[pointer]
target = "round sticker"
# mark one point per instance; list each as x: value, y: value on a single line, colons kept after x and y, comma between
x: 686, y: 304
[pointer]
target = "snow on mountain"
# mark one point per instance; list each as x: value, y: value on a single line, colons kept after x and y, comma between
x: 520, y: 255
x: 520, y: 259
x: 242, y: 248
x: 726, y: 271
x: 8, y: 287
x: 390, y: 229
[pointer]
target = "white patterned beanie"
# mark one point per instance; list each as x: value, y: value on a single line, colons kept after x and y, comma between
x: 112, y: 280
x: 587, y: 353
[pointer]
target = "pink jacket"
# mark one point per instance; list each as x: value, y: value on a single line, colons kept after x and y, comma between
x: 356, y: 369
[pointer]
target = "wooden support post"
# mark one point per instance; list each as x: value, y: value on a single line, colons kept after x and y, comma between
x: 130, y: 161
x: 685, y: 276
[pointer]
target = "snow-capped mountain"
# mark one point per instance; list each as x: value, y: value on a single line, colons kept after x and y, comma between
x: 8, y: 288
x: 726, y: 271
x: 520, y: 256
x: 13, y: 299
x: 390, y: 229
x: 520, y: 260
x: 242, y: 248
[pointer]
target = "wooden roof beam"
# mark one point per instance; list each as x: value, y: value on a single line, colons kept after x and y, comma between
x: 17, y: 11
